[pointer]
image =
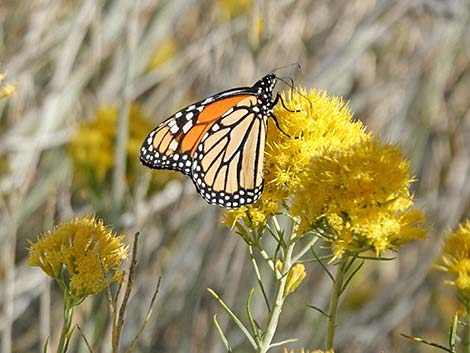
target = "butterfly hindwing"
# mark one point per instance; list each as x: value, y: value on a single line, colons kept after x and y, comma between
x: 228, y: 163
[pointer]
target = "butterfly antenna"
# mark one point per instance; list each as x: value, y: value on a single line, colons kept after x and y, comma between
x: 291, y: 86
x: 299, y: 67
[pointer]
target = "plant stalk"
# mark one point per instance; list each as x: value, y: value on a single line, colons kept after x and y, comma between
x: 334, y: 303
x: 278, y: 301
x: 65, y: 334
x: 467, y: 328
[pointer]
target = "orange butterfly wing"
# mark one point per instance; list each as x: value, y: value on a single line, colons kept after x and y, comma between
x: 219, y: 142
x: 171, y: 144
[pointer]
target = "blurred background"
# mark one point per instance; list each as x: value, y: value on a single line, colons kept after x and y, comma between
x: 94, y: 77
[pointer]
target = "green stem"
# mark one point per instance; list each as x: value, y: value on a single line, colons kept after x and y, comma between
x: 334, y: 302
x: 467, y: 343
x: 65, y: 334
x: 273, y: 320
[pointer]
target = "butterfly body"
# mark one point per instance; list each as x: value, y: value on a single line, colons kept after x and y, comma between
x: 219, y: 142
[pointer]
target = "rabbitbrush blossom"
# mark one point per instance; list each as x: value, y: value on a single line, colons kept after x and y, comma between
x: 331, y: 173
x: 322, y: 123
x: 455, y: 260
x: 82, y: 255
x: 330, y: 180
x: 92, y: 148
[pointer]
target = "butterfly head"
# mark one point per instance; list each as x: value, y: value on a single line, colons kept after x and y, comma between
x: 266, y: 84
x: 264, y: 89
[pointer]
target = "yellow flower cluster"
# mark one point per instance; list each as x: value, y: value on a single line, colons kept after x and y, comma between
x: 234, y: 8
x: 83, y: 255
x: 322, y: 123
x: 363, y: 193
x: 295, y: 276
x: 331, y: 171
x: 92, y: 148
x: 456, y: 259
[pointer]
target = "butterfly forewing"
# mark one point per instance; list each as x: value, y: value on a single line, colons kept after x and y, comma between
x: 163, y: 147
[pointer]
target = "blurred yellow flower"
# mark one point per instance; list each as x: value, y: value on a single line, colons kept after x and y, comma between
x: 456, y: 259
x: 295, y: 276
x: 321, y: 124
x: 257, y: 29
x: 162, y: 54
x: 83, y: 255
x: 234, y: 8
x: 7, y: 90
x: 363, y: 194
x: 92, y: 148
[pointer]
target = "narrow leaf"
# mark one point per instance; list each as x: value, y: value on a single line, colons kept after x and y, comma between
x: 281, y: 343
x: 351, y: 277
x: 429, y: 343
x: 234, y: 318
x: 319, y: 310
x: 222, y: 335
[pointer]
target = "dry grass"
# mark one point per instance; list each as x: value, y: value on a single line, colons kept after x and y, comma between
x: 404, y: 66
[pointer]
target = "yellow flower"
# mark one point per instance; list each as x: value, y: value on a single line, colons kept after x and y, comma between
x: 162, y: 54
x: 257, y: 28
x: 92, y: 148
x: 456, y: 259
x: 234, y: 8
x: 83, y: 255
x: 7, y: 90
x: 321, y: 124
x: 295, y: 276
x: 363, y: 194
x: 331, y: 173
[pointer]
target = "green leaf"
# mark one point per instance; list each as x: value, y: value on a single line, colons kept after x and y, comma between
x: 281, y: 343
x: 234, y: 318
x: 429, y: 343
x: 453, y: 332
x: 254, y: 328
x: 319, y: 310
x: 222, y: 335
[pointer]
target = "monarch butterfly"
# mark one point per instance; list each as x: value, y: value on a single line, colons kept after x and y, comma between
x: 219, y: 142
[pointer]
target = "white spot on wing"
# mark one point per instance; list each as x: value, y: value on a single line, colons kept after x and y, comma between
x: 173, y: 145
x: 187, y: 126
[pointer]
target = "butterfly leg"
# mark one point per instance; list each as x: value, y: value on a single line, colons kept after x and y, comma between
x: 279, y: 98
x: 276, y: 122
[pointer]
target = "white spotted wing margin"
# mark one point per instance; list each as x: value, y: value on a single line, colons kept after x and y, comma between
x: 162, y: 147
